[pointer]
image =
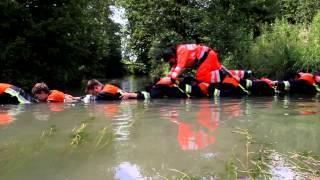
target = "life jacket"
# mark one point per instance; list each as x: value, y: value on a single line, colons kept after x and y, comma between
x: 111, y: 89
x: 230, y: 80
x: 268, y: 81
x: 4, y: 87
x: 308, y: 77
x: 55, y: 96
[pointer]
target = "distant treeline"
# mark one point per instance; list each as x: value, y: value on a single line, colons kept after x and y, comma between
x: 271, y: 37
x: 64, y: 41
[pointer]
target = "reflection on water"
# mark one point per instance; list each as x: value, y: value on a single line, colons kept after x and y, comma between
x: 198, y: 133
x: 9, y: 112
x: 125, y: 170
x: 150, y: 139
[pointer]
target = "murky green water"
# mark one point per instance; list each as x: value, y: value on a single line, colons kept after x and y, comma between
x: 155, y: 139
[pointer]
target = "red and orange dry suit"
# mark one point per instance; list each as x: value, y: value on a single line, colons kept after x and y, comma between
x: 308, y: 77
x: 191, y: 55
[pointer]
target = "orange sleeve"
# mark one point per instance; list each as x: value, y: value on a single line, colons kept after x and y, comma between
x: 3, y: 87
x: 183, y: 55
x: 56, y: 96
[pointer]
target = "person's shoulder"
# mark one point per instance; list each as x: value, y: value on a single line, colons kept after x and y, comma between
x: 56, y: 96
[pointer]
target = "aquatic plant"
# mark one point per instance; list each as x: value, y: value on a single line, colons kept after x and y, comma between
x: 79, y: 134
x: 49, y: 131
x: 103, y: 139
x: 262, y: 162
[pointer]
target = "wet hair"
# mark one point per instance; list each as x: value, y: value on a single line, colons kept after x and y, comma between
x: 40, y: 87
x: 91, y: 84
x: 167, y: 53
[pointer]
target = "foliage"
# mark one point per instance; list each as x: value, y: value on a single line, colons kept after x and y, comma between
x: 286, y: 48
x: 299, y: 11
x: 150, y: 21
x: 275, y: 50
x: 57, y: 41
x: 310, y: 60
x: 65, y: 41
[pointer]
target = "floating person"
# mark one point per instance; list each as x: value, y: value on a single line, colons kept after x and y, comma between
x: 301, y: 83
x: 43, y: 94
x: 96, y: 91
x: 10, y: 94
x: 259, y: 87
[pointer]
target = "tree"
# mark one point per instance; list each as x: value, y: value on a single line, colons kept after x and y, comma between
x: 60, y: 42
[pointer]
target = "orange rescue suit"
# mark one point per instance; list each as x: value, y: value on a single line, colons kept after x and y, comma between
x: 188, y: 55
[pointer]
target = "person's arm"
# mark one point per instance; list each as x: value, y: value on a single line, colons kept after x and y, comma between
x: 183, y: 54
x: 70, y: 98
x: 135, y: 95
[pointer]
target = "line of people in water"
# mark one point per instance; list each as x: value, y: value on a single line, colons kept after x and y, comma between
x: 211, y: 80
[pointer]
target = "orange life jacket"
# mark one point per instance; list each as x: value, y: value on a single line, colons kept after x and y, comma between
x: 230, y: 80
x: 56, y: 96
x: 4, y: 87
x: 308, y: 77
x: 111, y: 89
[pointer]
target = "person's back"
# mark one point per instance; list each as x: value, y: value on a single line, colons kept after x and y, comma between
x: 10, y: 94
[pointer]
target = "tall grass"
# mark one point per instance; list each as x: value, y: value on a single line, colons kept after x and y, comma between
x: 285, y: 47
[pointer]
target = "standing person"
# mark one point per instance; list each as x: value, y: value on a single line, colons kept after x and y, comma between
x: 199, y: 57
x: 42, y: 93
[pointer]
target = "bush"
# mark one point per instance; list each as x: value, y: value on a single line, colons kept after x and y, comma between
x: 276, y: 51
x: 311, y: 54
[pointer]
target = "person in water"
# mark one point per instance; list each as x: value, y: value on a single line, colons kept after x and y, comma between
x: 98, y: 91
x: 300, y: 83
x: 43, y: 94
x: 10, y: 94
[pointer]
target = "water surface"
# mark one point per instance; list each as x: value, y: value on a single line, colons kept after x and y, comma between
x: 149, y: 139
